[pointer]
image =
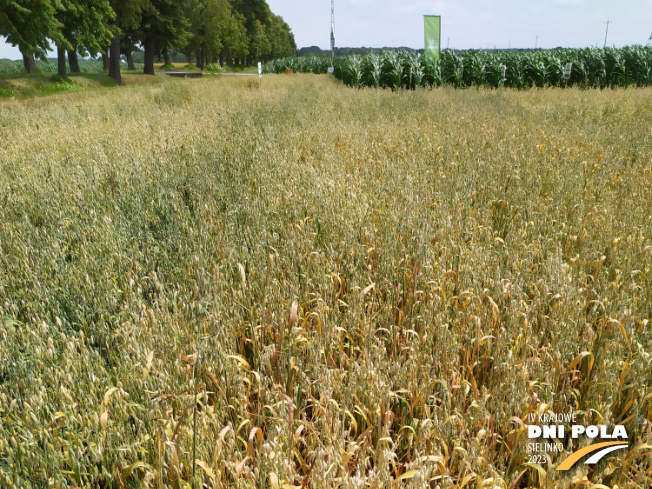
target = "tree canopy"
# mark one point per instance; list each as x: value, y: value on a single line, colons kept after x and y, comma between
x: 84, y: 27
x: 29, y: 24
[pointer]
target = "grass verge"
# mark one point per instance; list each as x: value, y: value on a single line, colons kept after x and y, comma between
x: 24, y: 86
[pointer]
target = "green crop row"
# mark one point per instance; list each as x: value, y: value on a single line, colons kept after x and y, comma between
x: 589, y: 68
x: 312, y: 64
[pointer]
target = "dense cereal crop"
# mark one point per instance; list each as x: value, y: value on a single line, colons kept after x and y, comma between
x: 311, y: 285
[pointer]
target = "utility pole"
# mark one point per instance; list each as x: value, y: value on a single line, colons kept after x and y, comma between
x: 448, y: 43
x: 536, y: 42
x: 606, y: 32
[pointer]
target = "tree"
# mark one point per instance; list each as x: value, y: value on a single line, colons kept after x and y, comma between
x: 127, y: 17
x: 84, y: 26
x: 129, y: 45
x: 236, y: 43
x: 309, y: 51
x: 206, y: 18
x: 259, y: 45
x: 281, y: 38
x: 163, y: 27
x: 28, y: 25
x: 257, y: 16
x: 253, y: 10
x: 215, y: 30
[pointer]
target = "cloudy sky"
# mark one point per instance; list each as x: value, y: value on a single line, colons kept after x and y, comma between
x: 465, y: 23
x: 469, y: 23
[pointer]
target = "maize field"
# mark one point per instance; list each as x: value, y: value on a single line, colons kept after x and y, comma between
x: 590, y: 68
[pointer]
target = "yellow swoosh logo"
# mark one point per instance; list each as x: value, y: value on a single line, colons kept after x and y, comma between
x: 570, y: 461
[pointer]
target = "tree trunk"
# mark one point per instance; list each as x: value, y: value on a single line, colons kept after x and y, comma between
x: 166, y: 56
x: 61, y: 62
x: 200, y: 65
x: 150, y: 47
x: 105, y: 61
x: 221, y: 59
x: 130, y: 61
x: 114, y: 59
x: 28, y: 61
x: 74, y: 61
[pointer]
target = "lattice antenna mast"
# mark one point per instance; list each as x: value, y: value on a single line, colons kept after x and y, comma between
x: 332, y: 28
x: 607, y: 32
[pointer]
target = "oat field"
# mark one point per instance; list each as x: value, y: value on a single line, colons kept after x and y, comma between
x: 207, y: 283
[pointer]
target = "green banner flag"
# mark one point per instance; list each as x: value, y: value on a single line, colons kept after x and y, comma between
x: 432, y: 34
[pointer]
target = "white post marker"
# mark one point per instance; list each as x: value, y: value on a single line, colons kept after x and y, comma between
x: 567, y: 72
x: 260, y: 73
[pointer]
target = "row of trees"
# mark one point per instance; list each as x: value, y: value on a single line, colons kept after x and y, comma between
x: 205, y: 30
x: 347, y: 51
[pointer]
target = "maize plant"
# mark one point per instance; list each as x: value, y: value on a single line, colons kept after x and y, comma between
x: 392, y: 71
x: 452, y: 67
x: 431, y: 72
x: 474, y: 69
x: 413, y: 71
x: 354, y: 70
x: 372, y: 70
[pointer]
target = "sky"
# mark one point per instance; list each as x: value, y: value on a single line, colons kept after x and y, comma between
x: 469, y: 24
x: 466, y: 24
